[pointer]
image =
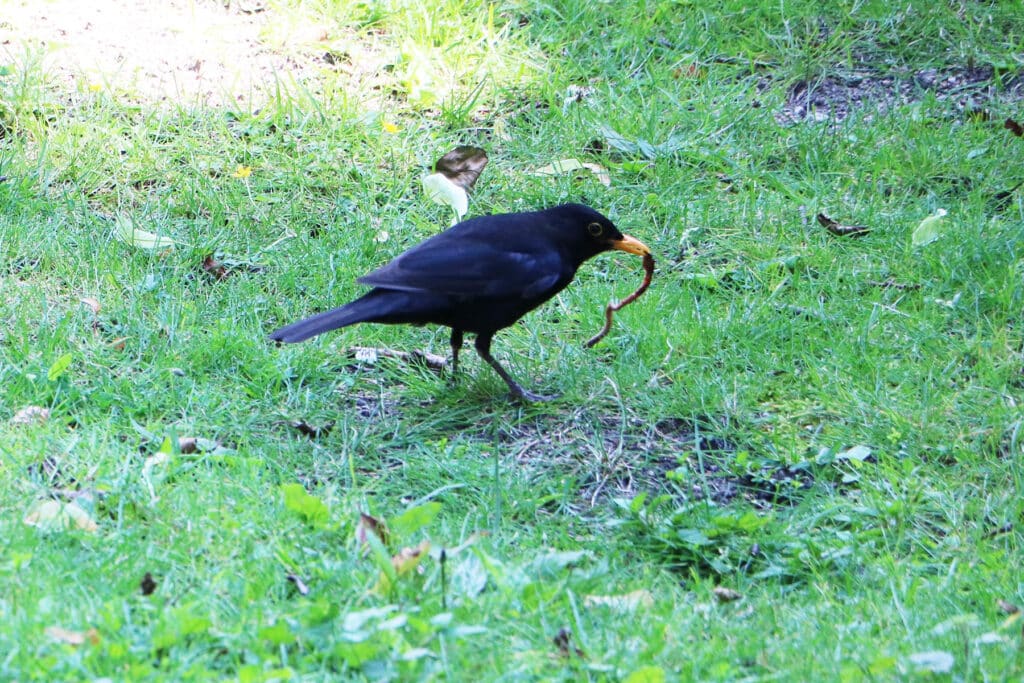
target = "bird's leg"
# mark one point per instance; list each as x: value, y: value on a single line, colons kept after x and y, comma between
x: 483, y: 347
x: 456, y: 347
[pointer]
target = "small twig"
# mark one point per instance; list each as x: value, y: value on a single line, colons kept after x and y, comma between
x: 371, y: 354
x: 889, y: 283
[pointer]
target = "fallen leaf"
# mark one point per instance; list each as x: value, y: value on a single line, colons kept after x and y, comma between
x: 299, y: 584
x: 726, y: 594
x: 563, y: 641
x: 443, y: 191
x: 125, y: 230
x: 407, y: 559
x: 627, y: 602
x: 371, y: 525
x: 197, y: 444
x: 859, y: 453
x: 934, y: 661
x: 30, y: 415
x: 147, y: 585
x: 463, y: 165
x: 1007, y: 607
x: 570, y: 165
x: 929, y: 229
x: 76, y: 638
x: 370, y: 355
x: 214, y: 268
x: 840, y: 230
x: 54, y: 515
x: 1014, y: 127
x: 309, y: 430
x: 91, y: 303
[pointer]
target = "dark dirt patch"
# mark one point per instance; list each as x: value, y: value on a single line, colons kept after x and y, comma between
x: 616, y: 457
x: 835, y: 96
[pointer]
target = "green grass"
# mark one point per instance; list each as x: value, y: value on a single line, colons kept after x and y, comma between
x: 705, y: 444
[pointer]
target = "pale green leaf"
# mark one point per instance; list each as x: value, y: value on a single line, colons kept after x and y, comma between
x: 934, y: 661
x: 54, y: 515
x: 125, y: 230
x: 443, y: 191
x: 59, y: 367
x: 571, y: 165
x: 930, y: 229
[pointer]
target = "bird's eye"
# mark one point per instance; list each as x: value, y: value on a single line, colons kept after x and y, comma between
x: 595, y: 229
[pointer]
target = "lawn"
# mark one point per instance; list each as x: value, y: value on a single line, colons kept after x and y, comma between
x: 798, y: 457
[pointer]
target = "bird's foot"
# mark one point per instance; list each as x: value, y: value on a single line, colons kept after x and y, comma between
x: 526, y: 396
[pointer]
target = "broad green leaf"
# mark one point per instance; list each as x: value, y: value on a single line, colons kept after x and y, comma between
x: 125, y: 230
x: 278, y: 633
x: 646, y: 674
x: 930, y: 229
x: 297, y: 499
x: 413, y: 519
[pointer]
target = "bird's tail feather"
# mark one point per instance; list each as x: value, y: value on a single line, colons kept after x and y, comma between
x: 318, y: 324
x: 377, y: 305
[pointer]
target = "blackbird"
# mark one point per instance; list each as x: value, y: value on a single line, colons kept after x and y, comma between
x: 479, y: 276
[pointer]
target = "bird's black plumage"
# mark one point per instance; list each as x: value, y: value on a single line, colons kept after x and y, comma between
x: 479, y: 276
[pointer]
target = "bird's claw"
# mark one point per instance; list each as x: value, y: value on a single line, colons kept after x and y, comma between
x: 526, y: 396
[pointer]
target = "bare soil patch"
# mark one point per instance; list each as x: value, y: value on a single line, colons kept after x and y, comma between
x: 834, y: 97
x: 187, y: 51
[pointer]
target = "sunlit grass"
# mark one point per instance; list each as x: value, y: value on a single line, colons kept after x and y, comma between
x: 827, y: 427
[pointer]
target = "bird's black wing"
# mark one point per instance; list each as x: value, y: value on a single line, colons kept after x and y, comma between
x: 474, y: 266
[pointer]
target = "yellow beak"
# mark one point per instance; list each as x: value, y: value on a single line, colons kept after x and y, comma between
x: 631, y: 245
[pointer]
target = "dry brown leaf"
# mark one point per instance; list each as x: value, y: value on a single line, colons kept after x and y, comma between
x: 214, y: 268
x: 371, y: 525
x: 309, y: 430
x: 31, y: 415
x: 563, y: 641
x: 1008, y: 607
x: 726, y: 594
x: 92, y: 303
x: 76, y: 638
x: 463, y: 165
x: 840, y: 230
x: 408, y: 559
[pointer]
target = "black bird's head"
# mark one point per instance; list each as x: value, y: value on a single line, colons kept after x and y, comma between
x: 589, y: 233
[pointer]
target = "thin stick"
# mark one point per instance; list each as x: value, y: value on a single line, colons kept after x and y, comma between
x: 613, y: 306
